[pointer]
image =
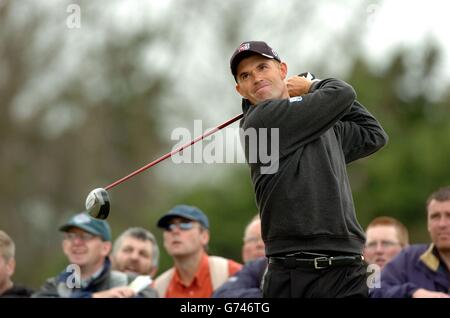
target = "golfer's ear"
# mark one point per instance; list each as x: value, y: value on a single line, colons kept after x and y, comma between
x: 238, y: 89
x: 284, y: 70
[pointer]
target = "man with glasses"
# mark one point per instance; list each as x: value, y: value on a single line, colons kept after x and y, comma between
x: 87, y: 244
x: 253, y: 247
x: 385, y: 238
x: 195, y: 274
x: 247, y: 282
x: 423, y: 271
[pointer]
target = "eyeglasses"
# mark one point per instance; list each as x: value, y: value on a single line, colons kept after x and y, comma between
x: 252, y: 240
x: 183, y: 226
x: 384, y: 244
x: 71, y: 236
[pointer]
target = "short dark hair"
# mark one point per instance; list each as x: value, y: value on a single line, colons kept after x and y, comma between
x: 441, y: 195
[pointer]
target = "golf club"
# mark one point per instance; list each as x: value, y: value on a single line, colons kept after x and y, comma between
x: 98, y: 202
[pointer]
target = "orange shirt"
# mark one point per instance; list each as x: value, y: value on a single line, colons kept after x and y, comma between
x: 201, y: 286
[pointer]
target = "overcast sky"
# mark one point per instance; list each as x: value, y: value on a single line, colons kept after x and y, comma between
x: 403, y: 23
x: 390, y: 24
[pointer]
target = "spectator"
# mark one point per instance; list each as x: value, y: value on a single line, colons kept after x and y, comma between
x: 423, y: 271
x: 194, y: 274
x: 385, y: 238
x: 136, y: 251
x: 247, y: 282
x: 7, y: 266
x: 87, y: 244
x: 253, y: 247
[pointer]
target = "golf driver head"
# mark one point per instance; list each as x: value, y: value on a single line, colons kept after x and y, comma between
x: 97, y: 203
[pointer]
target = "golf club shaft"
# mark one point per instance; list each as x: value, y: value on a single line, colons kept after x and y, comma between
x: 170, y: 154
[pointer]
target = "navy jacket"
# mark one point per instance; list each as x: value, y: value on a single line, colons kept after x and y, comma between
x: 246, y: 283
x: 417, y: 266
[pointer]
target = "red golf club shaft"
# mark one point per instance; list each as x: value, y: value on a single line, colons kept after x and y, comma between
x: 170, y: 154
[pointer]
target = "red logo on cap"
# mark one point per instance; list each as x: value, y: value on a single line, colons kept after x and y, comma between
x: 244, y: 46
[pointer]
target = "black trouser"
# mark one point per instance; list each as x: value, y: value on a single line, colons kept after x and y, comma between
x: 331, y: 282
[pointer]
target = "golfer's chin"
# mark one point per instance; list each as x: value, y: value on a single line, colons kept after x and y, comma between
x: 262, y: 97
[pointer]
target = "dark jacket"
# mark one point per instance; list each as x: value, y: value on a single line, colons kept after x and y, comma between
x: 17, y: 291
x: 58, y: 286
x: 417, y: 266
x: 307, y: 203
x: 246, y: 283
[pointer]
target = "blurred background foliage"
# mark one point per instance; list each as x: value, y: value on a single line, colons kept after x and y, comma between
x: 84, y: 106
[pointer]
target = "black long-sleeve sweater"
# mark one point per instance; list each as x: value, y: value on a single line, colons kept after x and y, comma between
x: 307, y: 204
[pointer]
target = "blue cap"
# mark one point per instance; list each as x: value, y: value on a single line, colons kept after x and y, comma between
x: 184, y: 211
x: 89, y: 224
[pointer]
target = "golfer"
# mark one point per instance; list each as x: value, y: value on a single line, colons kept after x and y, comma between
x: 309, y: 227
